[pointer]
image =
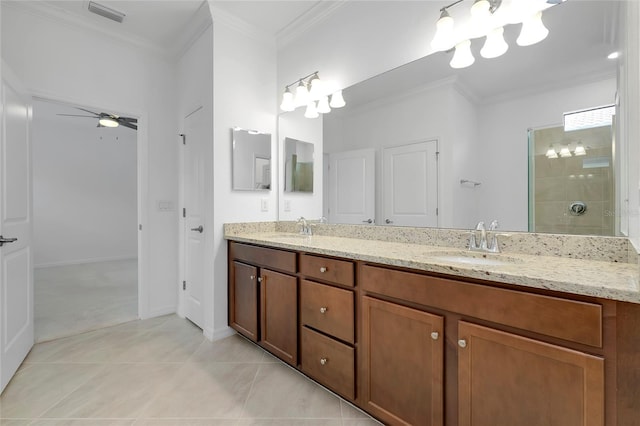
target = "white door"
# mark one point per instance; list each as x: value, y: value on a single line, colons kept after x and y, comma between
x: 352, y: 186
x: 410, y: 184
x: 194, y: 181
x: 16, y: 269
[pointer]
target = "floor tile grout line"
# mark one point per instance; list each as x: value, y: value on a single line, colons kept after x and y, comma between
x: 246, y: 400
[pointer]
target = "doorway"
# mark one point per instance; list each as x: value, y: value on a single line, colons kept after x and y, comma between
x: 85, y: 215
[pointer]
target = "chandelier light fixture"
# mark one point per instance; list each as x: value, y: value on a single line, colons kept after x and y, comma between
x: 487, y: 18
x: 311, y: 93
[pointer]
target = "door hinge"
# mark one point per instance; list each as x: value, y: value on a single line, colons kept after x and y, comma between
x: 437, y: 154
x: 184, y: 212
x: 184, y: 285
x: 436, y: 211
x: 140, y: 227
x: 184, y: 138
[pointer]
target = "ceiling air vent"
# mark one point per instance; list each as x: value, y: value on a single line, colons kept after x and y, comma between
x: 106, y: 12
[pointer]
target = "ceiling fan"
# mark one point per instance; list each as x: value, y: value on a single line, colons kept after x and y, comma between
x: 108, y: 120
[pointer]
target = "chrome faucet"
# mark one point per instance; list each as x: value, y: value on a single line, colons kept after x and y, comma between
x: 493, y: 246
x: 305, y: 228
x: 473, y: 239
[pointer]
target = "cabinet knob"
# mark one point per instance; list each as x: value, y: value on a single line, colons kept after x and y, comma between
x: 323, y: 361
x: 323, y: 269
x: 252, y: 277
x: 323, y: 310
x: 462, y: 343
x: 435, y: 335
x: 259, y: 279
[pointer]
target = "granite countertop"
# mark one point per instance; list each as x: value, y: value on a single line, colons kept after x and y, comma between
x: 603, y: 279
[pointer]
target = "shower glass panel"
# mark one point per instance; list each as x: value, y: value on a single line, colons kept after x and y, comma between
x: 572, y: 181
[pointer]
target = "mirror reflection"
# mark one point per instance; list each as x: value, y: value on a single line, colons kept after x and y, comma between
x: 251, y: 160
x: 469, y: 125
x: 298, y: 165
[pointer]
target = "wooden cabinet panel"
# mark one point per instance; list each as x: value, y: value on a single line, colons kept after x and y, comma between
x: 280, y: 260
x: 279, y: 314
x: 506, y: 380
x: 330, y: 270
x: 328, y: 309
x: 570, y: 320
x: 328, y: 361
x: 402, y: 372
x: 243, y: 298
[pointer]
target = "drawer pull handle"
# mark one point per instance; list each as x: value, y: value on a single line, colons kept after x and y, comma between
x: 323, y: 361
x: 435, y: 335
x: 323, y: 310
x: 323, y: 269
x: 462, y: 343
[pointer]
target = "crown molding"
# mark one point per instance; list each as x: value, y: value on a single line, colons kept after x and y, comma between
x: 197, y: 26
x: 312, y: 17
x: 229, y: 20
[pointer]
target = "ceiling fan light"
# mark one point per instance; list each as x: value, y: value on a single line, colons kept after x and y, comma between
x: 495, y: 45
x: 533, y: 30
x: 443, y: 39
x: 108, y: 122
x: 462, y: 56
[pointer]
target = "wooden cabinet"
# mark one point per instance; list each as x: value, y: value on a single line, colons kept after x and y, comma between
x: 263, y: 298
x: 403, y: 364
x: 505, y: 379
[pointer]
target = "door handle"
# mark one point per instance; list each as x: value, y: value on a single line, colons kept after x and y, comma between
x: 367, y: 221
x: 4, y: 240
x: 198, y: 229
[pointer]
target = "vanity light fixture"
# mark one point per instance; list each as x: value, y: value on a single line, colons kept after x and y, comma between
x: 484, y: 23
x: 551, y: 152
x: 311, y: 92
x: 564, y: 152
x: 580, y: 150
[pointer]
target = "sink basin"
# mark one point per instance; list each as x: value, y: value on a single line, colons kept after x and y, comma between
x: 475, y: 258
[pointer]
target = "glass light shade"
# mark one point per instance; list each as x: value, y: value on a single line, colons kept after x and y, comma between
x: 564, y: 152
x: 315, y: 91
x: 443, y: 40
x: 287, y: 101
x: 579, y: 150
x: 551, y: 152
x: 323, y: 105
x: 302, y: 95
x: 533, y: 30
x: 481, y: 19
x: 108, y: 122
x: 337, y: 101
x: 312, y: 111
x: 462, y: 57
x: 480, y: 9
x: 495, y: 45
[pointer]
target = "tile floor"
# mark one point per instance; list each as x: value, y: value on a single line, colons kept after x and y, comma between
x: 162, y: 371
x: 72, y: 299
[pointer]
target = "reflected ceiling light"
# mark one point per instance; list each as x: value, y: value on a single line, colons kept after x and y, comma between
x: 551, y: 152
x: 310, y: 89
x: 443, y: 40
x: 108, y: 122
x: 564, y: 152
x: 312, y: 111
x: 533, y: 30
x: 613, y: 55
x: 337, y: 101
x: 495, y: 45
x: 462, y: 57
x: 579, y: 150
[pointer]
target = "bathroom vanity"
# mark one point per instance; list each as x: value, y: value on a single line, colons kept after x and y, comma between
x: 430, y: 334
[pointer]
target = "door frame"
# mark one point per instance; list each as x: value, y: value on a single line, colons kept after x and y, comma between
x: 142, y: 182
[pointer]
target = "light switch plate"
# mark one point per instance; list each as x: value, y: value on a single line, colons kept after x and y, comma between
x: 264, y: 204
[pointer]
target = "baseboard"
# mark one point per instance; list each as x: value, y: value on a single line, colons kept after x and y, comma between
x: 160, y: 312
x: 212, y: 335
x: 85, y: 261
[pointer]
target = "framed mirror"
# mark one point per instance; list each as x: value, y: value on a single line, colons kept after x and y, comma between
x: 251, y: 160
x: 298, y: 166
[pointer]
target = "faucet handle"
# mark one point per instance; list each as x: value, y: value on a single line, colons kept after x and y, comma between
x: 494, y: 225
x: 480, y: 226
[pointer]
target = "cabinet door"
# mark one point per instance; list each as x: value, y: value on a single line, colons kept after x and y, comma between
x: 279, y: 315
x: 504, y: 379
x: 243, y: 297
x: 403, y: 363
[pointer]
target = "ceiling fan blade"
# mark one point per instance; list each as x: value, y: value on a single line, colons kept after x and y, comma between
x: 75, y: 115
x: 129, y: 125
x: 86, y: 110
x: 128, y: 119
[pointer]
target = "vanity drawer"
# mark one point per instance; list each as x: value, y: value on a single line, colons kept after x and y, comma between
x: 328, y: 309
x: 328, y: 361
x: 571, y: 320
x: 330, y: 270
x: 273, y: 258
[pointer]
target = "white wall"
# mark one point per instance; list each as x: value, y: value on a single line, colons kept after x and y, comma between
x: 504, y: 155
x: 85, y: 204
x: 64, y: 62
x: 244, y: 89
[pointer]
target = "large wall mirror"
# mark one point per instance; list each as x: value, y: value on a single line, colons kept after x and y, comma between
x: 475, y: 120
x: 251, y: 160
